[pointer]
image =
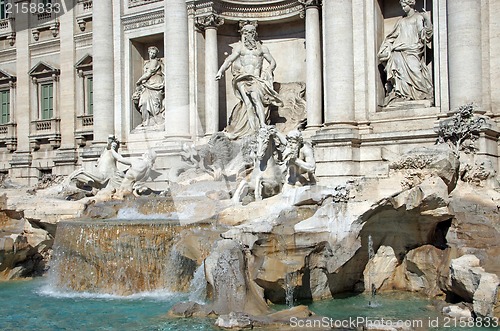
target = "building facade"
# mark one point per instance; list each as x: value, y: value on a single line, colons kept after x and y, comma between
x: 69, y: 71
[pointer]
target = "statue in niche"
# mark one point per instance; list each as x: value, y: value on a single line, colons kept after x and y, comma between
x: 402, y: 54
x: 301, y: 163
x: 149, y: 94
x: 252, y: 84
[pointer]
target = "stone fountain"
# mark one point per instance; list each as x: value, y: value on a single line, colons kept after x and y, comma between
x: 301, y: 242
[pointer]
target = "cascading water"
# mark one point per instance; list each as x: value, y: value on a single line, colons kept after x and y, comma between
x: 290, y: 284
x: 373, y: 290
x: 118, y: 256
x: 198, y: 286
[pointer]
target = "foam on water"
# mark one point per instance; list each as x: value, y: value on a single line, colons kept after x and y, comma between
x: 31, y: 305
x: 134, y: 214
x: 160, y: 295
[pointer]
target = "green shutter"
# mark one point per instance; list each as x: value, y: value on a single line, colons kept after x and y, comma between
x: 90, y: 95
x: 3, y: 14
x: 47, y: 101
x: 5, y: 106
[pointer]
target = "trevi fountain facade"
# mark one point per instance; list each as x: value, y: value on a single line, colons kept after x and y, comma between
x: 277, y: 152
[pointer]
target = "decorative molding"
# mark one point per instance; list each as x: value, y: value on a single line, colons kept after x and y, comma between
x: 7, y: 30
x: 83, y: 40
x: 136, y: 21
x: 84, y: 64
x: 212, y: 20
x: 43, y: 69
x: 45, y: 21
x: 135, y: 3
x: 8, y: 136
x: 21, y: 159
x: 84, y: 13
x: 44, y: 47
x: 8, y: 55
x: 310, y: 3
x: 6, y: 77
x: 236, y: 11
x: 45, y: 129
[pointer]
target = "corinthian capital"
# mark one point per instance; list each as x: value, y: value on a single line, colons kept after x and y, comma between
x: 209, y: 21
x: 310, y: 3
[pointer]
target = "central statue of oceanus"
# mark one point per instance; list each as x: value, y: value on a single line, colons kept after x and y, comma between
x: 252, y: 84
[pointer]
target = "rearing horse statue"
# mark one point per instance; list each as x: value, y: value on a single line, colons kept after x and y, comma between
x: 267, y: 176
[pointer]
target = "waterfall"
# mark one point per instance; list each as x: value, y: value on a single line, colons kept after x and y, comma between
x: 198, y: 286
x: 371, y: 252
x: 290, y: 284
x: 371, y: 255
x: 118, y: 257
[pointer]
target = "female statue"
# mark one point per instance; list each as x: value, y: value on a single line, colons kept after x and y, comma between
x: 402, y: 53
x: 150, y: 92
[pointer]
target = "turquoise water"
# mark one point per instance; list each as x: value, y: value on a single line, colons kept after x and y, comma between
x: 32, y: 305
x: 398, y: 307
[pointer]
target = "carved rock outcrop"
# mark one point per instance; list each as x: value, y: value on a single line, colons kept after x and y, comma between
x: 473, y: 284
x: 24, y: 247
x: 227, y: 274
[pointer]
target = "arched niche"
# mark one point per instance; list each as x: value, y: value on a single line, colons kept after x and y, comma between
x: 138, y: 56
x: 387, y: 14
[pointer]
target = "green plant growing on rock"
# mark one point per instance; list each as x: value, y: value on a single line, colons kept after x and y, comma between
x: 461, y: 131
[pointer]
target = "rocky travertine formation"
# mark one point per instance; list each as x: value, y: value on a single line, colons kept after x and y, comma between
x: 423, y: 229
x: 314, y: 240
x: 25, y: 247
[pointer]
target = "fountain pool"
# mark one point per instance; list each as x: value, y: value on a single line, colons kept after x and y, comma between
x: 34, y: 305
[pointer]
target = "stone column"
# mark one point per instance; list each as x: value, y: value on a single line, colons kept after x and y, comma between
x: 176, y: 70
x: 337, y: 144
x: 209, y: 23
x: 464, y: 52
x: 102, y: 42
x: 313, y: 63
x: 339, y: 64
x: 23, y: 113
x: 66, y: 155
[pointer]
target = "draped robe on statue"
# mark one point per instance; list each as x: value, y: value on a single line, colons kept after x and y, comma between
x: 406, y: 68
x: 243, y: 120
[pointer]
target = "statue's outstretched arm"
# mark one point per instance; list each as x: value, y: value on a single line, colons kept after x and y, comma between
x: 227, y: 63
x: 120, y: 158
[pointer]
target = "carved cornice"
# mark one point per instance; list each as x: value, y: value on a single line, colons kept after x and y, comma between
x: 8, y: 54
x: 83, y: 40
x: 135, y: 3
x: 255, y: 10
x: 209, y: 21
x: 45, y: 47
x: 136, y: 21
